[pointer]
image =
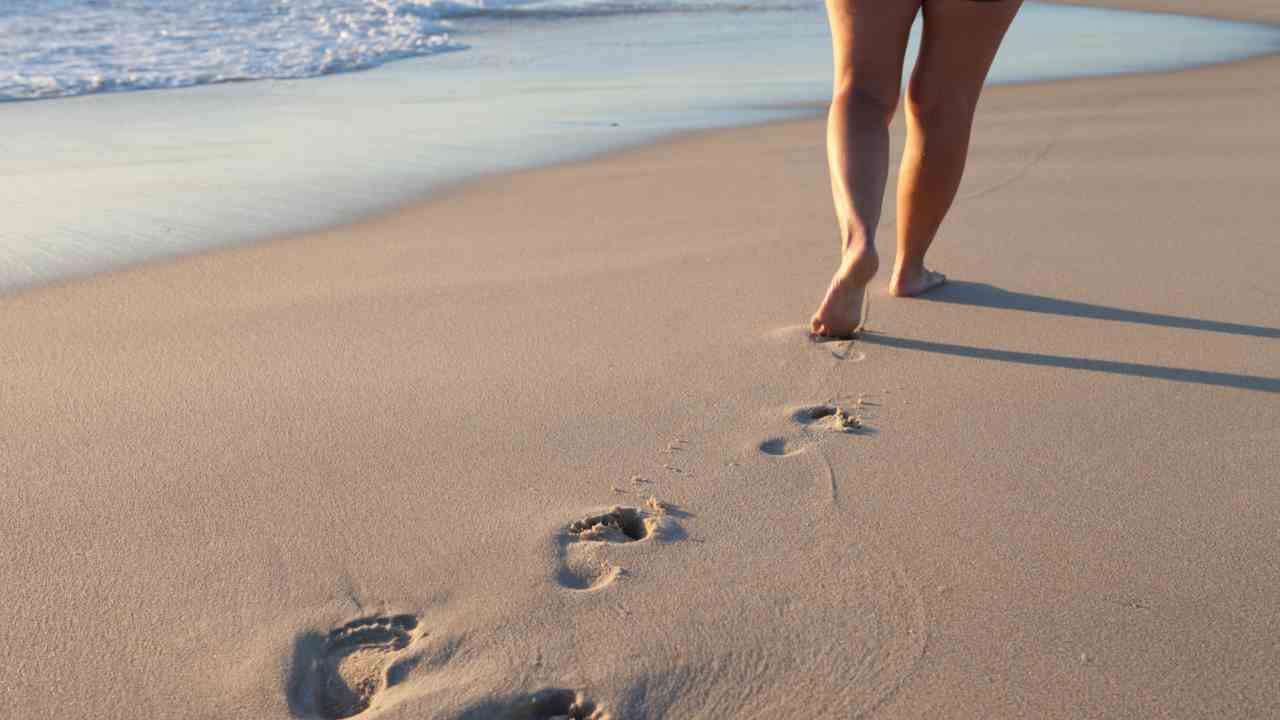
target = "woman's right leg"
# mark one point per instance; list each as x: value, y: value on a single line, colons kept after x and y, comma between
x: 959, y: 43
x: 869, y: 42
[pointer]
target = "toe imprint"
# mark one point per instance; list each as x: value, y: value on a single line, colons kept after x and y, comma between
x: 620, y: 524
x: 352, y: 668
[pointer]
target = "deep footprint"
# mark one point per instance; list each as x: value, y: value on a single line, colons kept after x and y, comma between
x: 814, y: 412
x: 546, y: 704
x: 353, y: 667
x: 583, y: 565
x: 619, y: 525
x: 832, y: 417
x: 557, y: 704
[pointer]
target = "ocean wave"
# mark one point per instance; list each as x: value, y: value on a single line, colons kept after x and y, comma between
x: 59, y: 48
x: 568, y: 9
x: 56, y: 48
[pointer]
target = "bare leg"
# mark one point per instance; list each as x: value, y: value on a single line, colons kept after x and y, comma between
x: 960, y: 42
x: 869, y: 41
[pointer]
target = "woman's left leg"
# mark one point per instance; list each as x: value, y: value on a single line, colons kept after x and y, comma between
x: 869, y: 45
x: 960, y: 41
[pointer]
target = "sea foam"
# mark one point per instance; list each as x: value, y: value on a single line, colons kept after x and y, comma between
x: 58, y: 48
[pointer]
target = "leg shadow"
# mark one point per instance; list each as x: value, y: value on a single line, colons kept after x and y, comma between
x: 1187, y: 375
x: 984, y: 295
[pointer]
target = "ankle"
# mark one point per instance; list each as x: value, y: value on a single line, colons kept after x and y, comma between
x: 856, y: 247
x: 860, y: 261
x: 857, y: 238
x: 909, y: 268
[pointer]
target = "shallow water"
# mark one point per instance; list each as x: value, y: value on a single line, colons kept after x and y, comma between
x: 103, y: 180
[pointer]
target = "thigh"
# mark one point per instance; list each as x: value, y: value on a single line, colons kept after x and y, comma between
x: 869, y: 43
x: 959, y: 43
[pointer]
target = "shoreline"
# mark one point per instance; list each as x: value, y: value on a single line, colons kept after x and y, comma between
x: 805, y: 113
x: 233, y: 469
x: 403, y: 191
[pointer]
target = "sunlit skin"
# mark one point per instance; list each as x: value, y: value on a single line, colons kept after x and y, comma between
x: 869, y: 43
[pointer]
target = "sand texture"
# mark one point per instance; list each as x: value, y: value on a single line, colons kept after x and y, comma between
x: 554, y: 444
x: 1263, y: 11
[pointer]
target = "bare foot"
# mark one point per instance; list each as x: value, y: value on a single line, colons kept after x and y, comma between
x: 916, y: 281
x: 841, y: 313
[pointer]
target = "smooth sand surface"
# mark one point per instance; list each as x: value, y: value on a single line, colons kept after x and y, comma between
x: 370, y: 470
x: 1264, y: 11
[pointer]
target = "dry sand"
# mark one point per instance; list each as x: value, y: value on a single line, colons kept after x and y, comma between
x: 343, y: 470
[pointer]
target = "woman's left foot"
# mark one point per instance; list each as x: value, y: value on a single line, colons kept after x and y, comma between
x: 843, y: 310
x: 909, y: 283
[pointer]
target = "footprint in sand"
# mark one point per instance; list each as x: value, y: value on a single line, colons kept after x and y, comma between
x: 582, y: 542
x: 342, y: 676
x: 557, y: 704
x: 796, y: 334
x: 548, y: 704
x: 781, y: 446
x: 829, y: 417
x: 825, y: 417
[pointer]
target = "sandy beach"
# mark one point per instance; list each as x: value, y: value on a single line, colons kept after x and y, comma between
x: 372, y: 471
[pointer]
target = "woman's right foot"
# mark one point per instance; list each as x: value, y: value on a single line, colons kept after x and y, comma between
x: 841, y: 313
x: 909, y: 282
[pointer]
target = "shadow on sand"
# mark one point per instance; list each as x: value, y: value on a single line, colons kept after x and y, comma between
x: 1159, y: 372
x: 983, y: 295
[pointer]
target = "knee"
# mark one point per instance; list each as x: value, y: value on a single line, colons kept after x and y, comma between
x: 940, y: 108
x: 865, y: 100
